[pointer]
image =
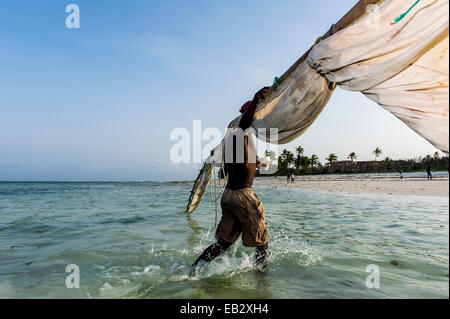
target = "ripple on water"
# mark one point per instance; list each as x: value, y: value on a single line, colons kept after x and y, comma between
x: 130, y: 242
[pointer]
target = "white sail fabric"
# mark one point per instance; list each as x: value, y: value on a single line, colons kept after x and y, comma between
x: 291, y: 109
x: 403, y: 66
x: 295, y: 105
x: 199, y: 188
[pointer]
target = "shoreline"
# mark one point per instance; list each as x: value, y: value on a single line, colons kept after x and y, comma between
x: 361, y: 184
x: 375, y: 185
x: 365, y: 183
x: 414, y: 184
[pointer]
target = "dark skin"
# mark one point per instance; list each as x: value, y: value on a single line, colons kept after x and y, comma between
x: 240, y: 175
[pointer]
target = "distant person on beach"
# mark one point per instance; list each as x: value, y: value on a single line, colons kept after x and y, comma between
x: 401, y: 174
x: 242, y: 211
x: 288, y: 178
x: 429, y: 176
x: 292, y: 178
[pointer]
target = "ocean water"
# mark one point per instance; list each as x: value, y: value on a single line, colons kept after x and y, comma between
x: 132, y: 240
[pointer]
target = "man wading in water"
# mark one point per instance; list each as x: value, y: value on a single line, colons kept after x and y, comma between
x: 242, y: 211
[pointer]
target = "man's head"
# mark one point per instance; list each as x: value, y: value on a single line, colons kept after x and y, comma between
x: 260, y: 95
x: 245, y: 106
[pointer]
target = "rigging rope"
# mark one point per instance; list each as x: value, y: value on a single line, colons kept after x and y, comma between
x: 406, y: 12
x: 217, y: 197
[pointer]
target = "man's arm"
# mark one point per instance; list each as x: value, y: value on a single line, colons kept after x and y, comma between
x: 247, y: 117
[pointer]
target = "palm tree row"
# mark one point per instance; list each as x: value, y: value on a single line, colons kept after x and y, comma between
x: 332, y: 158
x: 287, y: 159
x: 298, y: 161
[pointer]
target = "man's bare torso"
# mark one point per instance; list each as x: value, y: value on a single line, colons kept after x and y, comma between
x: 241, y: 175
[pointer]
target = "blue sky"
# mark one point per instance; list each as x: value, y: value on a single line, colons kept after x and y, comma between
x: 99, y: 102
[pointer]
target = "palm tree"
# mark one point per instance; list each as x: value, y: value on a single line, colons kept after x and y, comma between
x: 313, y: 160
x: 436, y: 155
x: 387, y: 159
x: 282, y: 160
x: 304, y: 162
x: 286, y: 159
x: 281, y: 164
x: 332, y: 158
x: 289, y: 158
x: 352, y: 156
x: 377, y: 152
x: 298, y: 160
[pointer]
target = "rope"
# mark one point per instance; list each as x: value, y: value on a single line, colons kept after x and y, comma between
x: 276, y: 83
x: 225, y: 178
x: 405, y: 13
x: 216, y: 197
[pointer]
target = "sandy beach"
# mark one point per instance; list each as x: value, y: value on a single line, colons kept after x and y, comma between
x: 371, y: 184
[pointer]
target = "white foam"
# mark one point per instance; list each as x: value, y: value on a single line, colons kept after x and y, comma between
x: 106, y: 286
x: 151, y: 268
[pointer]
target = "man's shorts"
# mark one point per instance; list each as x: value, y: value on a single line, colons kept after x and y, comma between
x: 242, y: 212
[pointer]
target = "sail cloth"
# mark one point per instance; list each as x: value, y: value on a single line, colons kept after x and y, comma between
x: 200, y: 186
x: 292, y: 108
x: 401, y: 66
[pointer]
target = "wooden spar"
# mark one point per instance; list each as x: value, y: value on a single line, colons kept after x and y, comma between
x: 354, y: 14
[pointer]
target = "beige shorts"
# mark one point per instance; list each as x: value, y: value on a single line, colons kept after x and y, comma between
x: 242, y: 212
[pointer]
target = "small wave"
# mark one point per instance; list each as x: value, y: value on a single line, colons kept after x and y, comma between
x: 287, y: 249
x: 283, y: 249
x: 25, y: 226
x: 105, y: 287
x: 147, y: 270
x: 126, y: 220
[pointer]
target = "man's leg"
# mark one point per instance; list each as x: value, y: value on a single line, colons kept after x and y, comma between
x: 213, y: 251
x: 254, y: 228
x: 261, y: 255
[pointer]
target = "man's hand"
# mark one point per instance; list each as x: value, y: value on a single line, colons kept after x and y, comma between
x: 247, y: 117
x: 261, y: 94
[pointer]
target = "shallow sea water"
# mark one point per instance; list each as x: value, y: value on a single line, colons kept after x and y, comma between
x: 132, y: 240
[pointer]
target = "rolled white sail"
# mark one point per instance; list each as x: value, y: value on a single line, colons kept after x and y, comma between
x: 403, y: 66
